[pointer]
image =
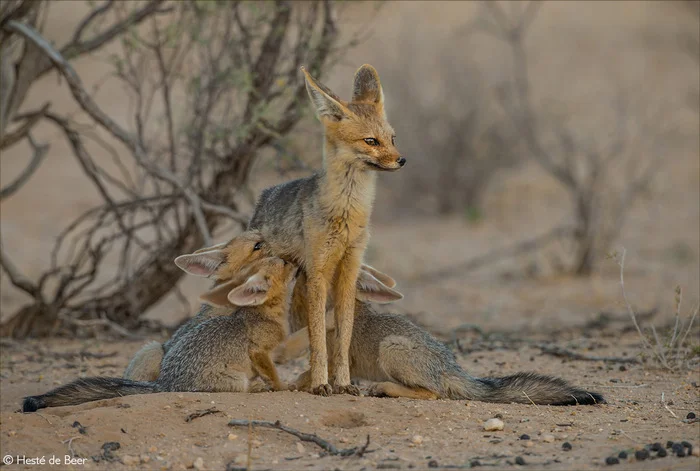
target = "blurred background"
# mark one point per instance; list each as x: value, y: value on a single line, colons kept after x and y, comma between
x: 544, y: 140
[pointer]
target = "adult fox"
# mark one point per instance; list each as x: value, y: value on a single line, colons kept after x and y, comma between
x: 406, y: 361
x: 321, y: 222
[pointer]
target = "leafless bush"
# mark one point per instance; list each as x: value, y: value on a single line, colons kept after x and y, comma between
x: 210, y: 84
x: 602, y: 174
x: 675, y: 351
x: 451, y: 129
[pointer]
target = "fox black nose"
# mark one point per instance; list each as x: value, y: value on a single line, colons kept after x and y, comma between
x: 401, y: 161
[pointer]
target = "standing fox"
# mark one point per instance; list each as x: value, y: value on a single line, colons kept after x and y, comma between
x: 220, y: 354
x: 407, y: 361
x: 321, y: 222
x: 223, y: 263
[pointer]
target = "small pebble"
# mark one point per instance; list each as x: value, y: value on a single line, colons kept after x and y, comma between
x: 696, y: 451
x: 417, y: 440
x: 623, y: 368
x: 676, y: 447
x: 475, y: 463
x: 519, y: 460
x: 622, y: 455
x: 524, y: 436
x: 529, y: 444
x: 145, y: 458
x: 11, y: 433
x: 687, y: 445
x: 669, y: 444
x: 641, y: 455
x: 548, y: 438
x: 662, y: 453
x: 566, y: 446
x: 656, y: 446
x: 680, y: 453
x: 199, y: 464
x: 432, y: 464
x: 691, y: 415
x: 231, y: 436
x: 153, y: 449
x: 300, y: 447
x: 492, y: 425
x: 610, y: 460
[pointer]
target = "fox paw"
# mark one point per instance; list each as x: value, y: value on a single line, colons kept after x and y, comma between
x: 322, y: 390
x: 347, y: 389
x: 376, y: 391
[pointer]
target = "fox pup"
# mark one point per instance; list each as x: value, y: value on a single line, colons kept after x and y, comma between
x: 220, y: 354
x: 321, y: 222
x: 406, y: 361
x: 219, y: 262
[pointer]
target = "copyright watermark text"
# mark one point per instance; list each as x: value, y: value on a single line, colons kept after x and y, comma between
x: 42, y: 460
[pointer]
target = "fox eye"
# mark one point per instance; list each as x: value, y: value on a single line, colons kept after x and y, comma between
x: 393, y: 140
x: 372, y: 141
x: 257, y: 246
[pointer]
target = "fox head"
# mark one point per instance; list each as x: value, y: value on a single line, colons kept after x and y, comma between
x: 357, y: 131
x: 225, y: 261
x: 264, y: 281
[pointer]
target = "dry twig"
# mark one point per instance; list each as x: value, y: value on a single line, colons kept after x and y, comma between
x: 305, y: 437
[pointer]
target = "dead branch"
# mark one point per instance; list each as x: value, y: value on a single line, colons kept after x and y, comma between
x: 38, y: 154
x: 201, y: 413
x: 188, y: 171
x: 581, y: 164
x: 566, y: 353
x: 304, y: 437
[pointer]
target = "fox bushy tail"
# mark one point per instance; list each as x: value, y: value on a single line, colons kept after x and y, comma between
x: 525, y: 388
x: 86, y: 390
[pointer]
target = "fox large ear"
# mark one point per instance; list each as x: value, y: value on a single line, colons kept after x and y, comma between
x: 251, y: 293
x: 218, y: 296
x: 383, y: 277
x: 327, y: 103
x: 370, y: 289
x: 201, y: 263
x: 367, y: 87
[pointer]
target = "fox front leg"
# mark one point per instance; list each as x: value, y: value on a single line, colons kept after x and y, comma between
x: 344, y: 291
x: 264, y: 366
x: 316, y: 292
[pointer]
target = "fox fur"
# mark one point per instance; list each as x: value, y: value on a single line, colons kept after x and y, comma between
x: 321, y: 222
x: 226, y: 260
x: 406, y: 361
x: 219, y: 354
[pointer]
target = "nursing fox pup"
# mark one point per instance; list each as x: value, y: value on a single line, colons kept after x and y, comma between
x: 321, y: 222
x: 406, y: 361
x: 219, y: 354
x: 223, y: 263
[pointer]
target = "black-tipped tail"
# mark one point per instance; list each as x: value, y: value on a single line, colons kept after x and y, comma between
x: 533, y: 388
x: 32, y: 404
x: 86, y: 390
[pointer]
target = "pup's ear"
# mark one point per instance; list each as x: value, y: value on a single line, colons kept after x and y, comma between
x: 213, y: 247
x: 383, y: 277
x: 201, y: 263
x: 218, y: 296
x: 251, y: 293
x: 327, y: 103
x: 370, y: 289
x: 366, y: 87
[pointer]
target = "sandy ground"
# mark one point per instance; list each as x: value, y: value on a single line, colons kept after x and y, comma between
x: 519, y: 303
x: 153, y: 432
